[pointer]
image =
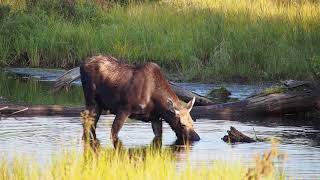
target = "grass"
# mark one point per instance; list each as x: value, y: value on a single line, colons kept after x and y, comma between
x: 274, y: 90
x: 203, y: 40
x: 146, y: 163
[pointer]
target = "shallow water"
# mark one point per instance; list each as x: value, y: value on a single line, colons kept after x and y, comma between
x: 41, y: 137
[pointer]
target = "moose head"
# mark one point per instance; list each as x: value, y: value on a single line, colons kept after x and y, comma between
x: 182, y: 123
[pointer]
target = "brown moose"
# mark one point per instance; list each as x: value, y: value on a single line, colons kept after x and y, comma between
x: 127, y: 91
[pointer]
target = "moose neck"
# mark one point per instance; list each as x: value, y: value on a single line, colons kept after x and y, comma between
x: 173, y: 123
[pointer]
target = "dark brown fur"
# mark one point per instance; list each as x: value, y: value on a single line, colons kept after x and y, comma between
x: 139, y: 92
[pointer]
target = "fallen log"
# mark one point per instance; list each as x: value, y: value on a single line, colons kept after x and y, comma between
x: 292, y: 100
x: 274, y: 104
x: 236, y: 136
x: 8, y: 110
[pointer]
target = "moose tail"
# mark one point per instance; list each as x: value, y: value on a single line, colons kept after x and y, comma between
x: 67, y: 78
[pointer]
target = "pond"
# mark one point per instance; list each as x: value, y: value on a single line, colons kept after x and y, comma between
x: 41, y: 137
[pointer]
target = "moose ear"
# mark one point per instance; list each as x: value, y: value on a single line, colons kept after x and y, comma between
x: 190, y: 104
x: 171, y: 106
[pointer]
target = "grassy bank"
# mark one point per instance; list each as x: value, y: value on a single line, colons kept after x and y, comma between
x: 206, y: 40
x: 132, y: 164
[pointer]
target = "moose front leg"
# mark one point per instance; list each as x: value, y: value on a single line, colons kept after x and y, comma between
x: 117, y: 124
x: 157, y: 127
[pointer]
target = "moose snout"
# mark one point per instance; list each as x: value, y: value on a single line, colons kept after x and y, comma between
x: 189, y: 135
x: 193, y: 136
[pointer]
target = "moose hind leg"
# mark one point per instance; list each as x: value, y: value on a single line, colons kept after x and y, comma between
x: 92, y: 113
x: 157, y: 127
x: 97, y: 112
x: 90, y: 119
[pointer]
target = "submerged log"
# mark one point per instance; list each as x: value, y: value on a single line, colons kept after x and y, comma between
x: 236, y: 136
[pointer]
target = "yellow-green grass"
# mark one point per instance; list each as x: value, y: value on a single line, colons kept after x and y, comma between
x: 206, y: 40
x: 274, y: 89
x: 132, y: 164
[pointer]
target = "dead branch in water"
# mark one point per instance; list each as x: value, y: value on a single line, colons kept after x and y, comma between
x: 236, y: 136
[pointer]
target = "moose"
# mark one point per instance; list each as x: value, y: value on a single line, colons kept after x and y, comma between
x: 130, y: 91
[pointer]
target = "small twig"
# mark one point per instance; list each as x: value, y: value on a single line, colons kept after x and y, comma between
x: 3, y: 109
x: 6, y: 107
x: 19, y: 111
x: 255, y: 133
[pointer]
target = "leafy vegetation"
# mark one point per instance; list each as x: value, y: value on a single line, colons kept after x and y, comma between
x: 204, y: 40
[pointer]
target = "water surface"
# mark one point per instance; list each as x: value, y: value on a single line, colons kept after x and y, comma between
x: 41, y: 137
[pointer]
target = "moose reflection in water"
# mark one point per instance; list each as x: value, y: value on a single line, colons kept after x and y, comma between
x: 139, y: 92
x: 178, y: 147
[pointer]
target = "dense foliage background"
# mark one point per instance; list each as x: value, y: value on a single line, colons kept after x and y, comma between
x: 203, y: 40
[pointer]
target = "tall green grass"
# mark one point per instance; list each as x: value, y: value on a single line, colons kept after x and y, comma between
x: 206, y: 40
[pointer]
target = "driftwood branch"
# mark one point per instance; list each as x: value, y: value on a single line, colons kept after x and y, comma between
x: 66, y: 78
